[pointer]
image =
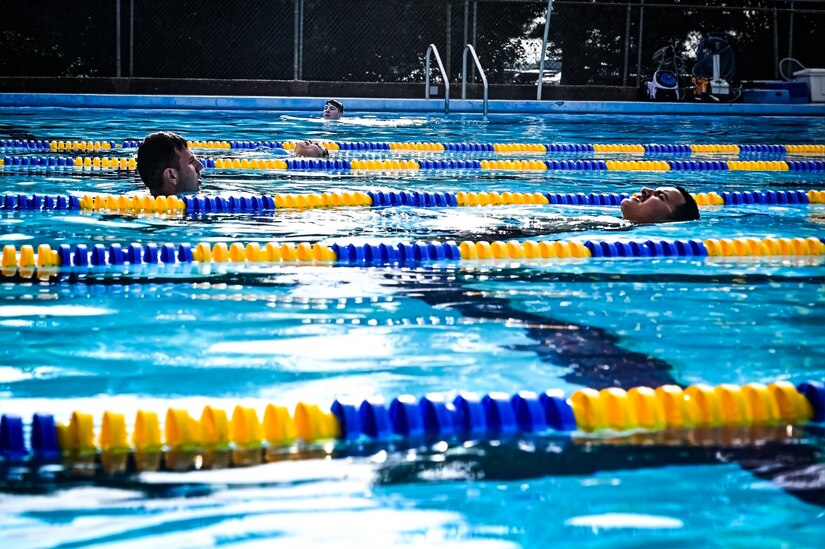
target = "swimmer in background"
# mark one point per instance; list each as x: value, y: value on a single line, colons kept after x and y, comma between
x: 333, y: 109
x: 167, y: 166
x: 660, y: 205
x: 311, y: 149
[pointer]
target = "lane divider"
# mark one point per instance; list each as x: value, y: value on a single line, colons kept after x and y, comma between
x: 100, y: 255
x: 95, y: 163
x: 218, y: 440
x: 193, y: 205
x: 305, y: 164
x: 633, y: 148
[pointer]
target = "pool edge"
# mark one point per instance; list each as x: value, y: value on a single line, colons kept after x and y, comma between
x: 435, y: 106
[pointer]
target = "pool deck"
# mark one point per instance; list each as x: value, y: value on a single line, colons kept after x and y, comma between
x: 378, y: 105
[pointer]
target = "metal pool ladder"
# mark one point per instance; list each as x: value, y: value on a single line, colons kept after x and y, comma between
x: 469, y: 48
x: 432, y: 49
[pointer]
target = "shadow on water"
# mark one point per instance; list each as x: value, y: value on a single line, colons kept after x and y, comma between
x: 596, y: 359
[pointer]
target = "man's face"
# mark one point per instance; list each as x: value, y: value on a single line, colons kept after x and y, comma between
x: 189, y: 172
x: 309, y: 148
x: 652, y: 205
x: 331, y: 112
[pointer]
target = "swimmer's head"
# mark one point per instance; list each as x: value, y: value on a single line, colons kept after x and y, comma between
x: 660, y: 205
x: 311, y: 149
x: 167, y: 166
x: 333, y: 109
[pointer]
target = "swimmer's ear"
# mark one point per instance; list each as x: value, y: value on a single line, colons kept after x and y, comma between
x: 170, y: 175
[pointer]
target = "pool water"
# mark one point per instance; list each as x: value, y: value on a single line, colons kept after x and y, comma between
x: 187, y: 336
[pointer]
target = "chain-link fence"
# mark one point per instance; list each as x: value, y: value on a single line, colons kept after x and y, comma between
x: 604, y: 42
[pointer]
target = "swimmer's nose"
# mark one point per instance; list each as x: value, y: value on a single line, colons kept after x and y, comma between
x: 646, y: 191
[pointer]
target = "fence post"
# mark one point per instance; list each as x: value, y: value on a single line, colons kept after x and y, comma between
x: 131, y: 38
x: 301, y: 42
x: 475, y: 33
x: 449, y: 36
x: 641, y: 32
x: 790, y: 32
x: 466, y: 20
x: 295, y: 41
x: 775, y: 44
x: 117, y: 38
x: 466, y: 33
x: 626, y: 44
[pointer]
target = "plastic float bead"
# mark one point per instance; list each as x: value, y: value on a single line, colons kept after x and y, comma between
x: 678, y: 413
x: 185, y: 253
x: 113, y: 443
x: 471, y: 417
x: 203, y: 253
x: 468, y: 250
x: 220, y: 252
x: 81, y: 439
x: 645, y: 406
x: 98, y: 255
x: 12, y: 441
x: 346, y: 415
x: 375, y: 419
x: 44, y: 256
x: 529, y: 249
x: 792, y: 407
x: 438, y: 416
x: 483, y: 250
x: 732, y: 405
x: 549, y: 249
x: 618, y: 415
x: 558, y: 412
x: 313, y: 424
x: 26, y: 256
x: 760, y: 405
x: 252, y: 252
x: 588, y: 409
x: 499, y: 413
x: 816, y: 246
x: 44, y: 444
x: 278, y: 427
x: 814, y: 393
x: 246, y: 433
x: 272, y: 252
x: 405, y: 417
x: 183, y: 437
x: 706, y: 403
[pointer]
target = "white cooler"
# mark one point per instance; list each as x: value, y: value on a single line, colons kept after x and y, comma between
x: 815, y: 79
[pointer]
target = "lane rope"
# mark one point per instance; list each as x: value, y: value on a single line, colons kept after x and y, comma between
x: 416, y: 146
x: 50, y: 261
x: 245, y: 438
x: 87, y: 163
x: 193, y: 205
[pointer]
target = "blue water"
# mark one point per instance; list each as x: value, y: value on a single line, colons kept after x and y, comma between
x: 190, y: 336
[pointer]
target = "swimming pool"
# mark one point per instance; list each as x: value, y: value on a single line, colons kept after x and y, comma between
x: 156, y: 336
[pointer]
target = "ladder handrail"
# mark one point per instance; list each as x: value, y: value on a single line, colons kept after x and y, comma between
x: 432, y: 49
x: 472, y: 50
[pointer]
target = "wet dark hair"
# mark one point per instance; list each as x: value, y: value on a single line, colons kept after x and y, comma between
x: 158, y: 152
x: 687, y: 211
x: 335, y: 103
